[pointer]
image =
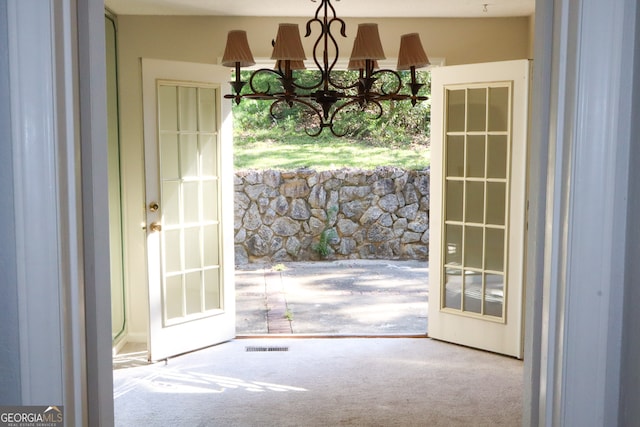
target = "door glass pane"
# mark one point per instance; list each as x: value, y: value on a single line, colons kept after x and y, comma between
x: 172, y: 248
x: 191, y: 202
x: 494, y: 295
x: 189, y: 156
x: 455, y: 156
x: 474, y: 209
x: 497, y: 156
x: 212, y: 298
x: 473, y: 240
x: 192, y: 251
x: 167, y: 106
x: 455, y: 110
x: 499, y: 109
x: 193, y: 292
x: 188, y: 109
x: 473, y: 292
x: 170, y: 203
x: 453, y: 244
x: 454, y: 196
x: 494, y: 249
x: 475, y: 156
x: 174, y: 299
x: 453, y: 288
x: 496, y: 199
x: 208, y: 155
x: 207, y: 110
x: 477, y: 110
x: 169, y: 156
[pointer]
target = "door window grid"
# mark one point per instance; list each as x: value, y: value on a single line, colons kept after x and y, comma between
x: 190, y: 241
x: 475, y: 243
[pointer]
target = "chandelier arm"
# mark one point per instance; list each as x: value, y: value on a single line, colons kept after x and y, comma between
x: 330, y: 6
x: 299, y: 86
x: 343, y: 33
x: 329, y: 36
x: 325, y: 37
x: 324, y: 67
x: 378, y: 106
x: 353, y: 101
x: 393, y: 97
x: 396, y: 75
x: 335, y: 113
x: 308, y: 105
x: 255, y: 73
x: 307, y: 34
x: 263, y: 96
x: 320, y: 7
x: 333, y: 131
x: 336, y: 85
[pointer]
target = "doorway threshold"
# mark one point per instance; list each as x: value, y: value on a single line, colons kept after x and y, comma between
x: 323, y: 336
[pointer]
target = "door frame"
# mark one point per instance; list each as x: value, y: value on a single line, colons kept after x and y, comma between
x: 555, y: 107
x: 582, y: 97
x: 56, y: 55
x: 117, y: 249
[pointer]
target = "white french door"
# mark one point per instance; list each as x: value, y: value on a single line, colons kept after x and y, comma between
x: 478, y: 204
x: 189, y: 199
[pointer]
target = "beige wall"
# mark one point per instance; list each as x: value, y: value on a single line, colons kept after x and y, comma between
x: 202, y: 39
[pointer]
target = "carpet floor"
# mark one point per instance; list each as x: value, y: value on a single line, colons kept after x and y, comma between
x: 323, y: 382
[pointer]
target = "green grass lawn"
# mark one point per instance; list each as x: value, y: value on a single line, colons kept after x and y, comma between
x: 322, y: 154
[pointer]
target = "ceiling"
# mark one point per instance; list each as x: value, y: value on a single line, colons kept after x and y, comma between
x: 344, y: 8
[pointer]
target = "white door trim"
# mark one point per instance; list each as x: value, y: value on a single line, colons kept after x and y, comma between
x: 577, y: 290
x: 56, y: 65
x: 55, y: 237
x: 36, y: 212
x: 88, y: 17
x: 537, y: 193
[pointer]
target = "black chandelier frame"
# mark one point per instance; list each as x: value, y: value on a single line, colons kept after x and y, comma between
x: 327, y: 99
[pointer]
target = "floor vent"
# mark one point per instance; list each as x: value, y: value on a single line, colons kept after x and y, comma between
x: 249, y: 348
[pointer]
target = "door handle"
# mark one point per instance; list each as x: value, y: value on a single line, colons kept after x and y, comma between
x: 153, y: 206
x: 155, y: 226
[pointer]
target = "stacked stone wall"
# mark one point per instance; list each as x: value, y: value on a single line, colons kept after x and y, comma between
x: 306, y: 215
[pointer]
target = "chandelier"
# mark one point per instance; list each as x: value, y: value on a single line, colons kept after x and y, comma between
x: 327, y: 98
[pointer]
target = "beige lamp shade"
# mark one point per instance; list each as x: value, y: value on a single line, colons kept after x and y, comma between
x: 411, y: 52
x: 367, y: 44
x: 288, y: 44
x: 293, y: 65
x: 237, y: 50
x: 360, y: 64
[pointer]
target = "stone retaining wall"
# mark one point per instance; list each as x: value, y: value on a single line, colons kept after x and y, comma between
x: 305, y: 215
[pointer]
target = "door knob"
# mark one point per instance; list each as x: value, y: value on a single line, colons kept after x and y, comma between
x: 153, y: 206
x: 155, y: 226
